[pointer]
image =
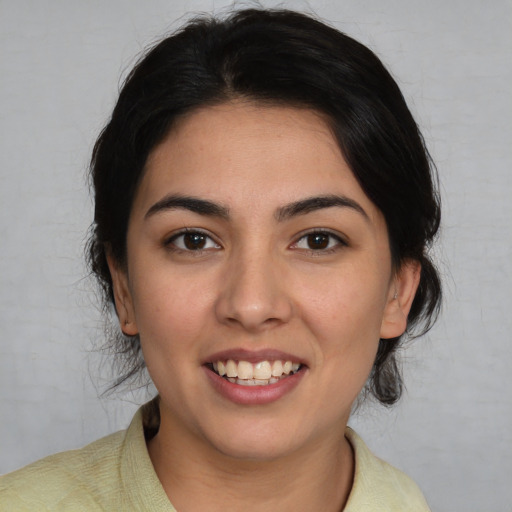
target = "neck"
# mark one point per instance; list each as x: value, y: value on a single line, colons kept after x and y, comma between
x: 318, y: 476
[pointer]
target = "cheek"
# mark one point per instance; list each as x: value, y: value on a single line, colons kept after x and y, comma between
x: 345, y: 314
x: 348, y: 297
x: 171, y: 309
x: 171, y: 314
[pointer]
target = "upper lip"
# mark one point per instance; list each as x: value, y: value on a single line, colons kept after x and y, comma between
x: 253, y: 356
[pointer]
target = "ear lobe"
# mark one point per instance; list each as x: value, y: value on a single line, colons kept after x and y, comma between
x: 122, y: 297
x: 400, y: 298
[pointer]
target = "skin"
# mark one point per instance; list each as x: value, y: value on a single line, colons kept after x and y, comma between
x: 257, y: 284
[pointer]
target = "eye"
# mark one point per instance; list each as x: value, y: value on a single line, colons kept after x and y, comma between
x: 318, y: 241
x: 192, y: 241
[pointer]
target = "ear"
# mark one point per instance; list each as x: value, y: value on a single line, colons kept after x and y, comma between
x: 122, y: 297
x: 400, y: 297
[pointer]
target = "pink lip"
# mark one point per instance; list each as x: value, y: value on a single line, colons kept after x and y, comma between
x: 253, y: 356
x: 253, y: 395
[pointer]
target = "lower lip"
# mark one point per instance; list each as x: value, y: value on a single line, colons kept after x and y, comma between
x: 254, y: 395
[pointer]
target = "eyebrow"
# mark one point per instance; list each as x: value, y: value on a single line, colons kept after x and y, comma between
x: 193, y: 204
x: 211, y: 209
x: 312, y: 204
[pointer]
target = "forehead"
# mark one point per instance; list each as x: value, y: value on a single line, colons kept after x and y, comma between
x: 249, y: 155
x: 228, y: 131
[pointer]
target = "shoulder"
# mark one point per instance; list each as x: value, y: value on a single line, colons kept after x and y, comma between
x: 67, y: 480
x: 113, y: 473
x: 379, y: 486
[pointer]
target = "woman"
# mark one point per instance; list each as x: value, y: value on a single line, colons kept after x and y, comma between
x: 264, y: 206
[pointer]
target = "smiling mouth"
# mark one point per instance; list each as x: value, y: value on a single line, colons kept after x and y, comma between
x: 262, y: 373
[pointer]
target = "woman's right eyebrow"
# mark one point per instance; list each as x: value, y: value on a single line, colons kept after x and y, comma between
x: 193, y: 204
x: 211, y: 209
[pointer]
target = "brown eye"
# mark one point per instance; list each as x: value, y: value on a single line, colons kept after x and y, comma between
x: 193, y: 241
x: 318, y: 241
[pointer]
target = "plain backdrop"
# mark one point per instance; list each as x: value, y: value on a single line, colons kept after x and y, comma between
x: 61, y: 63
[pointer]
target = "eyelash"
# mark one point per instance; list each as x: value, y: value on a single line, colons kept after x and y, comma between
x: 331, y: 247
x: 334, y: 242
x: 172, y: 245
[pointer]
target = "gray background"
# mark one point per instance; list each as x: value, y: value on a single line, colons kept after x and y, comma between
x: 60, y: 66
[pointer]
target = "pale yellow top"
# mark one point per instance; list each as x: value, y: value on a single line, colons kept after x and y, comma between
x: 115, y: 474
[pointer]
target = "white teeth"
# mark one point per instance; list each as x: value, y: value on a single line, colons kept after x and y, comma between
x: 245, y: 370
x: 231, y: 368
x: 277, y: 369
x: 261, y: 370
x: 252, y: 382
x: 258, y: 374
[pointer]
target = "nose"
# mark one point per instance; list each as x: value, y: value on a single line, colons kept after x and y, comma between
x: 254, y: 294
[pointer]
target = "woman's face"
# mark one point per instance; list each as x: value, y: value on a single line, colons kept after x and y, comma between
x: 251, y: 246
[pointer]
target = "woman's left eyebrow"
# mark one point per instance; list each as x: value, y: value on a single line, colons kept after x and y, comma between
x: 312, y: 204
x: 211, y: 209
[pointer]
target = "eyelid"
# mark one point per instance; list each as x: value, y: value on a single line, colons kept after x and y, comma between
x: 340, y: 238
x: 169, y: 240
